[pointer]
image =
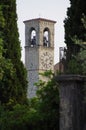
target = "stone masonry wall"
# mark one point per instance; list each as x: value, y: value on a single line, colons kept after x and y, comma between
x: 71, y: 102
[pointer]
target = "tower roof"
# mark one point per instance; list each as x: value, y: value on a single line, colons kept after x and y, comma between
x: 40, y: 19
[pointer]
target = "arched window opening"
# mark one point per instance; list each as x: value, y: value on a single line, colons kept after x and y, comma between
x: 33, y: 37
x: 46, y: 41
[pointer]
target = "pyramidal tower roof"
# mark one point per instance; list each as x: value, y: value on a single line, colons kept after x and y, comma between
x: 40, y: 19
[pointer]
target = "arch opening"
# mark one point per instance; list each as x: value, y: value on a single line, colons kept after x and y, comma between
x: 46, y: 37
x: 32, y: 37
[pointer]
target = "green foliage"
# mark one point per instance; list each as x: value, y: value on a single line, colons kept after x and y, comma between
x: 73, y: 23
x: 82, y: 60
x: 2, y: 20
x: 77, y: 65
x: 75, y: 36
x: 13, y: 83
x: 20, y: 118
x: 74, y: 67
x: 84, y: 20
x: 40, y: 113
x: 14, y: 119
x: 48, y: 95
x: 6, y: 67
x: 48, y: 74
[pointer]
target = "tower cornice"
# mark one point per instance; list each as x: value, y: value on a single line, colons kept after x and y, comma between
x: 40, y: 19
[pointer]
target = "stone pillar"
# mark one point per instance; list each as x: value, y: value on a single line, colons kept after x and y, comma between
x: 71, y: 101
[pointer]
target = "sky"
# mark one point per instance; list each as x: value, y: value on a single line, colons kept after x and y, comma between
x: 50, y: 9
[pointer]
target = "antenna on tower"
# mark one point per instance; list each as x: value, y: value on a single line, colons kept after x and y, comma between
x: 39, y: 15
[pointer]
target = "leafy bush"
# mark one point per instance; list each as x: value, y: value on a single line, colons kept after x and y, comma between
x: 40, y: 113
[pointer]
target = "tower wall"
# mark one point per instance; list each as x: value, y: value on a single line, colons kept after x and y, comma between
x: 39, y: 52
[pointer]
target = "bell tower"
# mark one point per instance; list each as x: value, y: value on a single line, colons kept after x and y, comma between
x: 39, y: 50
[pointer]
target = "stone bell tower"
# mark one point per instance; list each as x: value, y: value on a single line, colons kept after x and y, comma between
x: 39, y: 50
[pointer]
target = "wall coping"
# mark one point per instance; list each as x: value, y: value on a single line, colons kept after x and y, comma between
x: 70, y: 77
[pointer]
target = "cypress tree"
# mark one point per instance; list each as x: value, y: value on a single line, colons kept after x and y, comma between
x: 15, y: 86
x: 74, y: 28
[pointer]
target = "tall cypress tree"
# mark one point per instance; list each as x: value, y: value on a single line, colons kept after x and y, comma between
x: 15, y: 87
x: 74, y: 28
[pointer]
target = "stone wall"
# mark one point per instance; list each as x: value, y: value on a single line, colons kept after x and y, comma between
x: 72, y: 105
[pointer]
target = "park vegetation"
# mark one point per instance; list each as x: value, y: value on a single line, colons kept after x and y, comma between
x: 41, y: 112
x: 16, y: 111
x: 75, y: 37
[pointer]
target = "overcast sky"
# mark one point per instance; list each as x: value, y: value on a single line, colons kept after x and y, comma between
x: 49, y: 9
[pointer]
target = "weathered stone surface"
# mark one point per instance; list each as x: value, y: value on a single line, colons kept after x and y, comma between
x: 36, y: 60
x: 71, y: 101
